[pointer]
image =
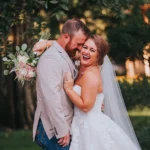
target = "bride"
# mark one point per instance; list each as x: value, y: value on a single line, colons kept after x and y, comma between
x: 91, y: 128
x: 96, y: 84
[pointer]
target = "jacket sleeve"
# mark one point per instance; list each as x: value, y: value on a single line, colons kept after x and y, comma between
x: 49, y: 72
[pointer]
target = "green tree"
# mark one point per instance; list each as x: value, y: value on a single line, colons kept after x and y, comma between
x: 128, y: 35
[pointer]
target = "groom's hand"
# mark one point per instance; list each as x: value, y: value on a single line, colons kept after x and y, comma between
x: 64, y: 141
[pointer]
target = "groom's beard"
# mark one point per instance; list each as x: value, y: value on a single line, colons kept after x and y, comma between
x: 71, y: 52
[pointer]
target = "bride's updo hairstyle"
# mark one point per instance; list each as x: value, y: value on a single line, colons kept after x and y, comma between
x: 102, y: 47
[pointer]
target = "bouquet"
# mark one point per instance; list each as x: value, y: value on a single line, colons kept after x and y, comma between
x: 23, y: 62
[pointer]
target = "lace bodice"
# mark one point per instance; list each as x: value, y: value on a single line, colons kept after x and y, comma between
x: 97, y: 105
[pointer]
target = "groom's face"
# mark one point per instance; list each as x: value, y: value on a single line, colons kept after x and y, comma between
x: 75, y: 42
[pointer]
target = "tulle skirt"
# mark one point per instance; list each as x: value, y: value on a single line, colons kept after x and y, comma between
x: 96, y: 131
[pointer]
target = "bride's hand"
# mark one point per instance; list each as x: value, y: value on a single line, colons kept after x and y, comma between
x: 40, y: 47
x: 68, y: 82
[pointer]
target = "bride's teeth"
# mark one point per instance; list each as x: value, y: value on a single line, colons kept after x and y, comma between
x: 85, y: 57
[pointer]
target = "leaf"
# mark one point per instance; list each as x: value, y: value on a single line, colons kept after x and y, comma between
x: 5, y: 59
x: 15, y: 62
x: 22, y: 82
x: 17, y: 48
x: 54, y: 14
x: 21, y: 53
x: 7, y: 66
x: 32, y: 54
x: 25, y: 54
x: 58, y: 16
x: 53, y: 2
x: 11, y: 56
x: 65, y: 1
x: 29, y: 49
x: 46, y: 5
x: 64, y: 7
x: 7, y: 63
x: 29, y: 60
x: 6, y: 72
x: 61, y: 13
x: 12, y: 70
x: 23, y: 47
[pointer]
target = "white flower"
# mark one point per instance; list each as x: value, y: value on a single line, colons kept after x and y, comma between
x: 77, y: 63
x: 31, y: 74
x: 34, y: 62
x: 22, y: 59
x: 23, y: 72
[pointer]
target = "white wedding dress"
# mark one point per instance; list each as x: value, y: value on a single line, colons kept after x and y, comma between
x: 96, y: 131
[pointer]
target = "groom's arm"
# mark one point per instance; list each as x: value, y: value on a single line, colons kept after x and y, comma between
x: 50, y: 74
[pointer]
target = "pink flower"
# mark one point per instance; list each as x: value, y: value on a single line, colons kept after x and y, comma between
x: 25, y: 72
x: 22, y: 65
x: 22, y: 59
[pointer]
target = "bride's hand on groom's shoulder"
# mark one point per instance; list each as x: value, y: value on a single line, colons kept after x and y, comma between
x: 68, y: 82
x: 39, y: 47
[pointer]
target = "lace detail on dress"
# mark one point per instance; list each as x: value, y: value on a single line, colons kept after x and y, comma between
x: 76, y: 137
x: 108, y: 141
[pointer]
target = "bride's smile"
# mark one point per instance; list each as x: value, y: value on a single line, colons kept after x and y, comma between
x: 89, y: 54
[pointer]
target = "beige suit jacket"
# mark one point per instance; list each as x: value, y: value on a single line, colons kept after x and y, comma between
x: 53, y: 105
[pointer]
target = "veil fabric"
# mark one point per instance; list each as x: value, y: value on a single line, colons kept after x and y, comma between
x: 114, y: 105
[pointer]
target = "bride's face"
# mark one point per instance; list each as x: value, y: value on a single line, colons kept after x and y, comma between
x: 89, y: 53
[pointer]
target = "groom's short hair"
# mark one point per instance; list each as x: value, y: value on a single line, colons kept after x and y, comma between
x: 74, y: 25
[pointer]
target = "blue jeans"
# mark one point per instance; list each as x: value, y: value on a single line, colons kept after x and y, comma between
x: 43, y: 141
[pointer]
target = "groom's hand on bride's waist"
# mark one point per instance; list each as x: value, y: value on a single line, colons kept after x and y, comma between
x: 64, y: 141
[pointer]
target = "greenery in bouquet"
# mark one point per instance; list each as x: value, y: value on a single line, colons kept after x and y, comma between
x: 23, y: 62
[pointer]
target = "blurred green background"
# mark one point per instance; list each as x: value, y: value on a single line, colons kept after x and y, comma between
x: 125, y: 24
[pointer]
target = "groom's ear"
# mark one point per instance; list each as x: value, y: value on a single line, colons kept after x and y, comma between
x: 66, y: 38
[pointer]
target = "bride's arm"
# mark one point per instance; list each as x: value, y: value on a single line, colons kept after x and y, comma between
x: 88, y: 92
x: 41, y: 46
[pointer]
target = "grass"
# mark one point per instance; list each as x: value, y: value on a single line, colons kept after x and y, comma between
x: 142, y: 128
x: 141, y: 123
x: 17, y: 140
x: 22, y: 140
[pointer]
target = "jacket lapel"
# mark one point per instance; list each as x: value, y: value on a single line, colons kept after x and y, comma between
x: 70, y: 63
x: 67, y: 59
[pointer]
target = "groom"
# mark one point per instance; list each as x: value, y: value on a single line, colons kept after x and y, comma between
x: 54, y: 110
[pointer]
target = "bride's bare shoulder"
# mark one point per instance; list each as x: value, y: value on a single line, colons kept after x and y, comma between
x: 90, y: 76
x: 92, y: 79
